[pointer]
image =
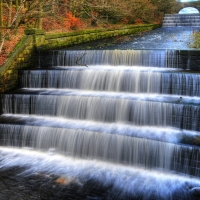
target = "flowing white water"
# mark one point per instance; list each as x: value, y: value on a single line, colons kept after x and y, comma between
x: 165, y: 134
x: 147, y: 58
x: 112, y: 107
x: 108, y: 118
x: 124, y: 79
x: 172, y: 20
x: 91, y: 108
x: 116, y: 148
x: 125, y: 181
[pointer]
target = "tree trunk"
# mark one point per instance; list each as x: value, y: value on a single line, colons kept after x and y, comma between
x: 9, y: 13
x: 39, y: 18
x: 16, y: 4
x: 72, y: 6
x: 1, y: 21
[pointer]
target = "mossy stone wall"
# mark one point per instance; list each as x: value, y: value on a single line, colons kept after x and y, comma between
x: 60, y: 40
x: 18, y: 59
x: 25, y: 54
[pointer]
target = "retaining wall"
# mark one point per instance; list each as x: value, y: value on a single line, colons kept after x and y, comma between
x: 36, y: 42
x: 20, y: 58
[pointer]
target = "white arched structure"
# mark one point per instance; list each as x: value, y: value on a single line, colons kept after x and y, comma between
x: 188, y: 10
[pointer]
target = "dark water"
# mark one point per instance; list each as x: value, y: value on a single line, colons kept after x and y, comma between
x: 161, y: 38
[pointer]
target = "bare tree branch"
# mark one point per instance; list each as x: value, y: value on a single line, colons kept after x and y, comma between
x: 78, y: 59
x: 12, y: 23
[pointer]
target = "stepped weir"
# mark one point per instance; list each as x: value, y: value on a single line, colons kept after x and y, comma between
x: 132, y: 109
x: 172, y: 20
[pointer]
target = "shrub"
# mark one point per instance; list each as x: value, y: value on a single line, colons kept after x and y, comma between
x: 72, y: 22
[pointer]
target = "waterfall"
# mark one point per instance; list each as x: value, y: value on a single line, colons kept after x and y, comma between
x: 148, y: 58
x: 117, y: 148
x: 131, y: 113
x: 122, y: 79
x: 172, y: 20
x: 106, y: 108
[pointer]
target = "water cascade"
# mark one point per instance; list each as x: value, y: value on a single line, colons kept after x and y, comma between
x: 132, y: 111
x: 172, y: 20
x: 156, y: 58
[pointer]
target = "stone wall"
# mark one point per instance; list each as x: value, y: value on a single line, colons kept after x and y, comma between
x: 60, y: 40
x: 37, y: 42
x: 194, y: 4
x: 20, y: 58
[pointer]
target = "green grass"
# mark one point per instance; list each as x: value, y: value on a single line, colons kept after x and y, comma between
x: 196, y: 38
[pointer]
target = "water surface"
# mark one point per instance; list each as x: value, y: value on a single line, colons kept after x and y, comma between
x: 161, y: 38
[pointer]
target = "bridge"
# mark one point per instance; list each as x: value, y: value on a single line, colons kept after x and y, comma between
x: 194, y: 4
x: 189, y: 19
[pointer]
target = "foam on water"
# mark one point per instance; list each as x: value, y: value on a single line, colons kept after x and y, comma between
x: 126, y: 181
x: 167, y: 134
x: 122, y: 80
x: 117, y: 57
x: 149, y: 110
x: 117, y: 148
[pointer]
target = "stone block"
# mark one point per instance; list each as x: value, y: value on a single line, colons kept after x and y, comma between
x: 34, y: 31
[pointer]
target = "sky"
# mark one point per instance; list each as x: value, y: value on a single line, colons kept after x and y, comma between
x: 187, y: 0
x: 188, y: 10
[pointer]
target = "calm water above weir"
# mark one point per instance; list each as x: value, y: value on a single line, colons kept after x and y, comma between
x: 161, y: 38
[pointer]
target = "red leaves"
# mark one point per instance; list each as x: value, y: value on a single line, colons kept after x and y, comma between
x: 72, y: 22
x: 125, y: 20
x: 138, y: 21
x: 2, y: 58
x: 10, y: 44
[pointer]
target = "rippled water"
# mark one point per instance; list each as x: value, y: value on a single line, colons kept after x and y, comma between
x: 161, y: 38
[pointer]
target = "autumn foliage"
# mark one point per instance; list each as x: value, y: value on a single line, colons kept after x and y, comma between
x: 51, y: 24
x: 138, y: 21
x: 69, y: 15
x: 72, y: 22
x: 10, y: 44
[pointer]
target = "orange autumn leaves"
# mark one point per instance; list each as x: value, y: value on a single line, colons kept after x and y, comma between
x: 72, y: 22
x: 10, y: 44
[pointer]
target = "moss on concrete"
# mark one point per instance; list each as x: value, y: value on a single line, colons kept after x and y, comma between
x: 196, y: 40
x: 18, y: 59
x: 52, y: 41
x: 25, y: 53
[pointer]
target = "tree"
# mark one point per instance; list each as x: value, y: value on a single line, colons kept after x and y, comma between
x: 23, y: 12
x: 165, y: 7
x: 9, y: 13
x: 29, y: 13
x: 1, y: 22
x: 10, y: 23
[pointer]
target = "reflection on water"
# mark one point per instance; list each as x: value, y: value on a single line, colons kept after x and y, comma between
x: 161, y: 38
